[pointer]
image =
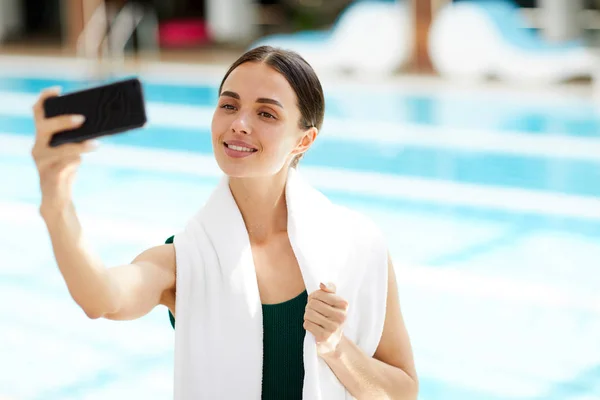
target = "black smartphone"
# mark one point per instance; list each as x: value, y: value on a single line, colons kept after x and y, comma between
x: 108, y: 109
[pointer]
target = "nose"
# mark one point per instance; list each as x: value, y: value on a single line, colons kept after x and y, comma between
x: 241, y: 125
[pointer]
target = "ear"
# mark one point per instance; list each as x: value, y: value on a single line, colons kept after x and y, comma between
x: 307, y: 139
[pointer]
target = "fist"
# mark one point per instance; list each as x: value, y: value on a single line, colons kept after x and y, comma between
x: 324, y: 317
x: 56, y: 166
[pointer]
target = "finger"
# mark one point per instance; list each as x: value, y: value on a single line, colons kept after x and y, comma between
x: 319, y: 319
x: 63, y: 152
x: 66, y: 150
x: 334, y: 314
x: 320, y: 307
x: 38, y: 107
x: 329, y: 298
x: 317, y: 331
x: 50, y: 126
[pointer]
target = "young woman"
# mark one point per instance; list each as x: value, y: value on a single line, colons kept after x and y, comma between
x: 270, y: 109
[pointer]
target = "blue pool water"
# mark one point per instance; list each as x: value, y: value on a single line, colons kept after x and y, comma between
x: 500, y: 302
x: 451, y: 111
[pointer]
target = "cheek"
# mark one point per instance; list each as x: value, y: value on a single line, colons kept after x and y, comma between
x: 218, y: 125
x: 275, y: 140
x: 213, y: 125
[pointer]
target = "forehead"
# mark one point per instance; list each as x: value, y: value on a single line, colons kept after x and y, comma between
x: 254, y: 80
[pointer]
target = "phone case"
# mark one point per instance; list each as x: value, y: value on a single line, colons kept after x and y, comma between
x: 109, y: 109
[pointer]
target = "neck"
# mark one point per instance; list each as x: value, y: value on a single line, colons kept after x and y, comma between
x: 262, y: 204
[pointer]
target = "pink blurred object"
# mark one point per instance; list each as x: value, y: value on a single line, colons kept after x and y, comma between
x: 183, y: 33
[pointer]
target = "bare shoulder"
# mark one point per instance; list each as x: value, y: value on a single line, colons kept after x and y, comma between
x: 162, y: 256
x: 149, y: 280
x: 162, y: 259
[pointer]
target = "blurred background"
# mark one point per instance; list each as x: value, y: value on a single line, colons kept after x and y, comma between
x: 468, y: 130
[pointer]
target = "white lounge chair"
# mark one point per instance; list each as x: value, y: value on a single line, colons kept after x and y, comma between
x: 477, y: 39
x: 369, y: 37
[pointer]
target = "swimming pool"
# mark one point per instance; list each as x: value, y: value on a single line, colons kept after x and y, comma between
x: 490, y: 203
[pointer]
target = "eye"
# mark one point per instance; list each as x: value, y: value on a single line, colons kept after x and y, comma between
x: 228, y: 107
x: 266, y: 115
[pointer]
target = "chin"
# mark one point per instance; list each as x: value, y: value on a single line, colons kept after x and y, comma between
x: 238, y: 168
x: 238, y: 173
x: 246, y: 168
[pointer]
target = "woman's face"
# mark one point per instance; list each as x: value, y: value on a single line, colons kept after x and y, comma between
x: 255, y: 127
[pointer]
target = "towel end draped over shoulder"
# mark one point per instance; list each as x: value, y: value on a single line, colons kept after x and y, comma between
x: 218, y: 338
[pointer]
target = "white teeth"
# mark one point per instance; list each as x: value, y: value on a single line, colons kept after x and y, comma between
x: 239, y: 148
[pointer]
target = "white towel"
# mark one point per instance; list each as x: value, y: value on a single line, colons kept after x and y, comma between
x: 219, y: 333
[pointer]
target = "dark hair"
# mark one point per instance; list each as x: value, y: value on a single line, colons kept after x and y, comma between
x: 301, y: 77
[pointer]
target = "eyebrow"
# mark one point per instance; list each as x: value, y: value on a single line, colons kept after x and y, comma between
x: 263, y: 100
x: 269, y: 101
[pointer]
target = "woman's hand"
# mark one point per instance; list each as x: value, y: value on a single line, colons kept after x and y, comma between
x: 324, y: 317
x: 56, y: 166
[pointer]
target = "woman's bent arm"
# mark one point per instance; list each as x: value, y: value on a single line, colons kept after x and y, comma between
x: 124, y: 292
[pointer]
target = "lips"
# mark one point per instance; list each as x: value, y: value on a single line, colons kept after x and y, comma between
x: 238, y: 149
x: 239, y: 145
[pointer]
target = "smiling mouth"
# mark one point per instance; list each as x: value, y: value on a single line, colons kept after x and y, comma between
x: 239, y: 148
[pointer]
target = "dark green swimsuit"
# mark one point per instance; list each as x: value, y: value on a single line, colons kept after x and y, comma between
x: 283, y: 340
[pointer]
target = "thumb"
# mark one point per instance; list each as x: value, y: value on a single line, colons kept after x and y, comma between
x: 330, y: 287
